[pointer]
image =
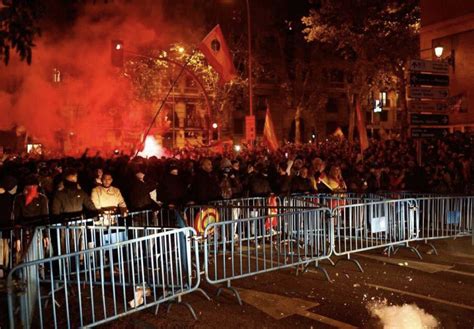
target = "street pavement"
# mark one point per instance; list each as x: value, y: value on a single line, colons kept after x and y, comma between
x: 441, y: 285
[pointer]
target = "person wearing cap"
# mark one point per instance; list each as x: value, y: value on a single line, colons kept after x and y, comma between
x: 28, y: 207
x: 30, y: 204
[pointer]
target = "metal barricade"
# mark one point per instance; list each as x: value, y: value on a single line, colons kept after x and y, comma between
x: 241, y: 248
x: 445, y: 217
x: 361, y: 227
x: 94, y: 286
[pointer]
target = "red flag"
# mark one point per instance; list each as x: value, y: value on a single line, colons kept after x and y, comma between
x: 214, y: 47
x: 364, y: 141
x: 269, y: 132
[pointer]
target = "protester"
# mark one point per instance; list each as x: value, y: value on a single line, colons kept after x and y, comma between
x: 70, y: 199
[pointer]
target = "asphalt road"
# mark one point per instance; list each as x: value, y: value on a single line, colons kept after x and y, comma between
x: 442, y: 285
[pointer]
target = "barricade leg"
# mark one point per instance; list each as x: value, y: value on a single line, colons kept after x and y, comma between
x: 229, y: 286
x: 395, y: 249
x: 317, y: 267
x: 179, y: 301
x: 349, y: 259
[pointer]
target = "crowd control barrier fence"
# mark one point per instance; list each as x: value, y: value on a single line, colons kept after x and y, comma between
x: 361, y: 227
x: 109, y: 271
x: 445, y: 217
x: 94, y: 286
x: 237, y: 249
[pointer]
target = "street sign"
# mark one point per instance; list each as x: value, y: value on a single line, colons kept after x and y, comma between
x: 420, y: 65
x: 419, y: 79
x: 429, y: 132
x: 429, y: 119
x: 431, y: 93
x: 250, y: 128
x: 427, y: 106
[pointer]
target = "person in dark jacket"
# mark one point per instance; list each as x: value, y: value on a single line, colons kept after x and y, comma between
x: 71, y: 199
x: 139, y: 192
x: 282, y: 181
x: 172, y: 190
x: 30, y: 204
x: 259, y: 186
x: 205, y: 185
x: 8, y: 187
x: 300, y: 182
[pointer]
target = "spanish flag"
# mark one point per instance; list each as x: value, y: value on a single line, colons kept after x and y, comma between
x: 364, y: 141
x: 214, y: 47
x: 269, y: 135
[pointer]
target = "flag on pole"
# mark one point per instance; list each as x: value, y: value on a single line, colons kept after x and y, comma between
x: 269, y: 135
x: 364, y: 141
x: 214, y: 47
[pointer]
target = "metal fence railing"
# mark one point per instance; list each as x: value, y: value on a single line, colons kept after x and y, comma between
x: 445, y: 217
x: 237, y: 249
x: 94, y: 286
x: 362, y: 227
x: 86, y: 272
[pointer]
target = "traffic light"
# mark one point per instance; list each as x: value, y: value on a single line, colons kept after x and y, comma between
x: 117, y: 53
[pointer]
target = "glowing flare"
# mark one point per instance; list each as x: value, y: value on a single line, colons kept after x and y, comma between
x: 151, y: 148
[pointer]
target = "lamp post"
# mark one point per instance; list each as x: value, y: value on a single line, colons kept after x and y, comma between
x: 249, y: 40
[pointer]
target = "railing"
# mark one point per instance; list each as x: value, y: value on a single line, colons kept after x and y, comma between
x: 237, y: 249
x: 110, y: 266
x: 94, y: 286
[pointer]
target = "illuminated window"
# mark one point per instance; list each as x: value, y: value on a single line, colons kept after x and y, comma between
x: 56, y: 75
x: 383, y: 98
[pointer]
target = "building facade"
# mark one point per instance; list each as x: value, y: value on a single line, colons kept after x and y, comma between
x: 450, y: 24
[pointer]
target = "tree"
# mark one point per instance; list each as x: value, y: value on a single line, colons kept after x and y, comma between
x: 19, y: 25
x: 154, y: 73
x: 287, y: 60
x: 376, y: 38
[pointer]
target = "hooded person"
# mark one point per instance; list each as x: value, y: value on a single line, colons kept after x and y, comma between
x: 259, y: 185
x: 172, y: 190
x: 139, y: 191
x: 71, y: 200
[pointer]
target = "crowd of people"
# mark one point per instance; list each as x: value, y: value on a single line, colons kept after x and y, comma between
x: 31, y: 188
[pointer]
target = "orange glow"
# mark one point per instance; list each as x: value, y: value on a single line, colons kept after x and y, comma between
x: 152, y: 148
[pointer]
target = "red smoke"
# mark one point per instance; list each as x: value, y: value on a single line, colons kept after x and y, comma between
x: 93, y: 105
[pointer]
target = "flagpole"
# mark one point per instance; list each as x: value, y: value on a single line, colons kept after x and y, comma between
x: 163, y: 101
x: 249, y: 40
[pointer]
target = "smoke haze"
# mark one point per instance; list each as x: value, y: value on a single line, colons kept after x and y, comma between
x: 92, y: 98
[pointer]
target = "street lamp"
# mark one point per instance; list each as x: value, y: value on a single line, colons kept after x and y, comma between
x: 449, y: 59
x: 439, y: 51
